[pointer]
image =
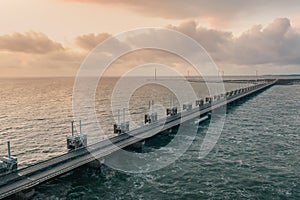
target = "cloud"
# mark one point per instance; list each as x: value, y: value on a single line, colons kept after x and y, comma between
x: 212, y: 40
x: 278, y: 43
x: 34, y: 54
x: 216, y: 12
x: 30, y: 42
x: 89, y: 41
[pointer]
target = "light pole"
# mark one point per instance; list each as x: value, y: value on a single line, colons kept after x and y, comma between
x: 256, y: 75
x: 220, y: 72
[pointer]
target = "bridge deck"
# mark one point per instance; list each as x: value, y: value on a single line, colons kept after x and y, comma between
x: 33, y: 175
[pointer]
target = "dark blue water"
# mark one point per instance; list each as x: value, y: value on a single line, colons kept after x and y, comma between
x: 256, y: 157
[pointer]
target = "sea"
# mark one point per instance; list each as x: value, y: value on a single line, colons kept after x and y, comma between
x: 257, y: 155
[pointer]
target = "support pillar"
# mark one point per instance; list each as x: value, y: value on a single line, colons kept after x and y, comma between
x: 25, y: 194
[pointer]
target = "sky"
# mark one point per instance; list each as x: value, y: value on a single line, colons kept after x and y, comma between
x: 41, y: 38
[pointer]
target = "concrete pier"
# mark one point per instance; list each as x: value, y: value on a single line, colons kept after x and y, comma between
x: 8, y: 163
x: 76, y: 141
x: 25, y: 194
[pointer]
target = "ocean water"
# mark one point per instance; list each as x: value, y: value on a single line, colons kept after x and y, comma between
x: 256, y: 157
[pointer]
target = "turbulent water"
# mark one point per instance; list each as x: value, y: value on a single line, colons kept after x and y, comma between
x: 256, y: 157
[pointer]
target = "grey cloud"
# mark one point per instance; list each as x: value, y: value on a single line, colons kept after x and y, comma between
x: 278, y: 43
x: 89, y: 41
x: 111, y: 46
x: 30, y: 42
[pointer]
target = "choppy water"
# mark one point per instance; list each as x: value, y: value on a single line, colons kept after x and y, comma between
x: 256, y: 157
